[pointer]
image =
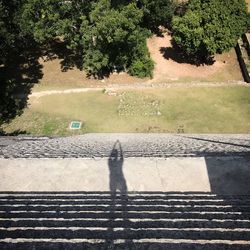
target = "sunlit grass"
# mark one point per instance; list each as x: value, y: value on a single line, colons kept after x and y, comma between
x: 194, y: 110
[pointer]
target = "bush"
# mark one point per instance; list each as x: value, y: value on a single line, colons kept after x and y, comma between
x: 142, y: 67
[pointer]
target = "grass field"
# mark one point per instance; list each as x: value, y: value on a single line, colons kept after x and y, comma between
x: 189, y: 110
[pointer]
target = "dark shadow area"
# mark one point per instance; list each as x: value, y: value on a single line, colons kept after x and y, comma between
x: 157, y: 31
x: 181, y: 8
x: 17, y: 77
x: 57, y: 49
x: 14, y: 133
x: 117, y: 181
x: 228, y: 167
x: 176, y: 54
x: 229, y: 175
x: 104, y: 73
x: 154, y: 220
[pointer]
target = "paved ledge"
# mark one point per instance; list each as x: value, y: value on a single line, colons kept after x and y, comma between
x: 132, y: 145
x: 220, y: 175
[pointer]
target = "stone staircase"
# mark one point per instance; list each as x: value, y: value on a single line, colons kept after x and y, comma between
x: 133, y: 220
x: 133, y: 145
x: 78, y: 211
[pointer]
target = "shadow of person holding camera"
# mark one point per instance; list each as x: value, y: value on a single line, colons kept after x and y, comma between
x: 117, y: 181
x: 118, y: 192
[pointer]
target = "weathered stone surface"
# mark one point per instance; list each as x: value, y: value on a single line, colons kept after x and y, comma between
x: 133, y: 145
x: 142, y: 220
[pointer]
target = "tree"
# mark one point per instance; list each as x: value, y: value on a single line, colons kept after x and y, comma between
x: 10, y: 33
x: 116, y: 38
x: 209, y: 27
x: 101, y: 35
x: 156, y: 13
x: 44, y: 20
x: 19, y: 69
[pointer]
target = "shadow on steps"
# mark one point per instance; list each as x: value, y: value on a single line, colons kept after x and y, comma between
x: 136, y: 220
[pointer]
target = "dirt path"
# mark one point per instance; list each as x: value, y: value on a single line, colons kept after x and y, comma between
x: 146, y: 85
x: 168, y: 70
x: 170, y: 66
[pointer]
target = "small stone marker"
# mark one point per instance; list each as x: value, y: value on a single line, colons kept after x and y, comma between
x: 75, y: 125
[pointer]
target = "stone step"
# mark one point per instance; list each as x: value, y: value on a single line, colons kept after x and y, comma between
x: 136, y: 220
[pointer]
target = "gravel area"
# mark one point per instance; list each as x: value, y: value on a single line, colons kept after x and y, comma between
x: 133, y: 145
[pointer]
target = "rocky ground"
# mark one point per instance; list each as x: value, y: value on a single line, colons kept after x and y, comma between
x: 133, y: 145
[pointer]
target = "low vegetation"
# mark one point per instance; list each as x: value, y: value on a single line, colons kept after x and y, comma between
x: 189, y: 110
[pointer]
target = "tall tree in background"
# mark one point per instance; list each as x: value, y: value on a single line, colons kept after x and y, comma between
x: 156, y: 13
x: 44, y: 20
x: 10, y: 34
x: 19, y: 70
x: 209, y: 27
x: 117, y: 39
x: 102, y: 34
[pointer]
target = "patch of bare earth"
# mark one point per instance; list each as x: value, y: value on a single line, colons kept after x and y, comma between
x: 169, y: 66
x: 53, y: 74
x: 248, y: 3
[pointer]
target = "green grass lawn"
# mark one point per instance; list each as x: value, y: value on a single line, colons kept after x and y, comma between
x: 194, y: 110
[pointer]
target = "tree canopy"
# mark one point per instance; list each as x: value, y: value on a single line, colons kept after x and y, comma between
x: 10, y: 33
x: 210, y: 26
x: 19, y: 70
x: 156, y: 13
x: 103, y: 35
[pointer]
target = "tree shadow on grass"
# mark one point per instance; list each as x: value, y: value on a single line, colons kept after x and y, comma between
x: 18, y: 75
x: 176, y: 54
x: 14, y: 133
x: 57, y: 49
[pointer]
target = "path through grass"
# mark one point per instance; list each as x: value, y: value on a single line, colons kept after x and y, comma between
x: 189, y: 110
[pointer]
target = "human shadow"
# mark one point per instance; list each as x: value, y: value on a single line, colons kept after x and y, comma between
x: 116, y: 176
x: 118, y: 192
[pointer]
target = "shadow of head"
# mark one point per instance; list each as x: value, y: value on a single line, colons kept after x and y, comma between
x: 114, y: 154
